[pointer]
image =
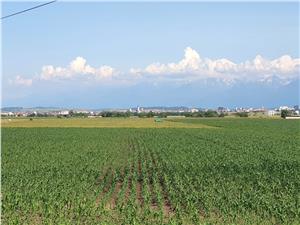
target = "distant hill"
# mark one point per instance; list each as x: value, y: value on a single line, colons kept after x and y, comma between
x: 12, y: 109
x: 22, y: 109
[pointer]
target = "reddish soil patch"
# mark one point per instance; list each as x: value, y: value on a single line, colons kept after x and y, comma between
x: 128, y: 190
x: 140, y: 199
x: 168, y: 210
x: 140, y: 167
x: 113, y: 201
x: 103, y: 175
x: 118, y: 186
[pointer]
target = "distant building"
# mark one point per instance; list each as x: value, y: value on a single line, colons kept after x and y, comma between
x: 139, y: 110
x: 7, y: 114
x: 193, y: 110
x: 242, y: 109
x: 258, y: 110
x: 285, y: 108
x: 80, y: 111
x: 64, y: 113
x: 222, y: 110
x: 271, y: 112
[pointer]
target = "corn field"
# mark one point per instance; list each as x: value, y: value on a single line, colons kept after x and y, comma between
x: 242, y: 171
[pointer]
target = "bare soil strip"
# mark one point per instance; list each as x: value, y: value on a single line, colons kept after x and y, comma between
x: 140, y: 200
x: 154, y: 205
x: 167, y: 207
x: 101, y: 178
x: 107, y: 186
x: 113, y: 201
x: 168, y: 210
x: 127, y: 193
x: 114, y: 196
x: 139, y: 191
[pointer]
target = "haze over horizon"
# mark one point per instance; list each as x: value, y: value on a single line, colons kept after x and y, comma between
x: 120, y: 55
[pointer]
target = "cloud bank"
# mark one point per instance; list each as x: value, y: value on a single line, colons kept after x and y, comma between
x: 191, y: 68
x: 195, y: 67
x: 20, y: 81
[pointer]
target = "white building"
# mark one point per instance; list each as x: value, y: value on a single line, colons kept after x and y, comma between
x: 285, y: 108
x: 271, y: 112
x: 7, y: 114
x: 64, y: 113
x: 193, y: 110
x: 81, y: 111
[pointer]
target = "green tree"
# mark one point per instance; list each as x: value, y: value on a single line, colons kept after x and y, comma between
x: 242, y: 114
x: 284, y: 113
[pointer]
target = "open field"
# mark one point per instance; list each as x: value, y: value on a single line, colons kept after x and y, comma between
x: 99, y: 122
x: 245, y: 171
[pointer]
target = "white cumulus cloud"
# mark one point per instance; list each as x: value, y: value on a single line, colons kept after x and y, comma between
x: 190, y: 63
x: 77, y: 67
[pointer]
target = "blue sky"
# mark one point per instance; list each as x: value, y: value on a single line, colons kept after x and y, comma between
x: 127, y: 54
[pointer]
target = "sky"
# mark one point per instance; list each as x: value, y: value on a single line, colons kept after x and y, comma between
x: 118, y: 55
